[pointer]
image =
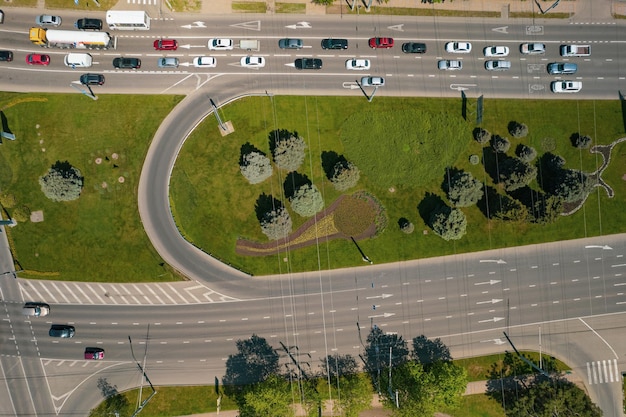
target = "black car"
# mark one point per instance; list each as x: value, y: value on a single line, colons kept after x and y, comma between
x: 61, y: 330
x: 414, y: 48
x: 132, y: 63
x: 88, y: 24
x: 331, y: 43
x: 92, y: 79
x: 308, y: 63
x: 6, y: 56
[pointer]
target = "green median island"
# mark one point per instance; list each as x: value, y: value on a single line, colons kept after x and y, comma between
x: 306, y: 183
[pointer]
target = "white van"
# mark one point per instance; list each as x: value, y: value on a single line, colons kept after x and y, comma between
x: 75, y: 60
x: 36, y: 309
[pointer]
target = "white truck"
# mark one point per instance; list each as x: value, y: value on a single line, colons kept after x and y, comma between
x: 575, y: 50
x: 249, y: 44
x: 70, y: 39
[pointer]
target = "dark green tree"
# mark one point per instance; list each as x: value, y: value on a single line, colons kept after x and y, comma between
x: 287, y: 149
x: 427, y: 352
x: 383, y: 349
x: 515, y: 173
x: 449, y: 223
x: 351, y: 390
x: 62, y: 182
x: 481, y: 135
x: 269, y: 398
x: 500, y: 144
x: 463, y: 189
x: 517, y: 129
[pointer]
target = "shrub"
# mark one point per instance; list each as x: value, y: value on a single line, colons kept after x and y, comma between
x: 255, y: 167
x: 515, y: 174
x: 21, y: 214
x: 573, y: 185
x: 345, y: 175
x: 581, y: 141
x: 500, y: 144
x: 287, y: 149
x: 481, y: 135
x: 406, y: 226
x: 463, y: 189
x: 307, y: 200
x: 63, y: 182
x: 8, y: 200
x: 518, y: 130
x: 474, y: 159
x: 448, y: 223
x: 526, y: 153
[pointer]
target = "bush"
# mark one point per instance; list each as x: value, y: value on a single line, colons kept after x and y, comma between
x: 518, y: 130
x: 474, y: 159
x: 8, y: 200
x: 255, y: 167
x: 21, y: 214
x: 448, y: 223
x: 307, y: 200
x: 500, y: 144
x: 526, y: 153
x: 287, y: 149
x: 406, y: 226
x: 581, y: 141
x: 63, y: 182
x: 463, y: 189
x: 481, y: 135
x: 345, y: 175
x: 573, y: 186
x: 515, y: 174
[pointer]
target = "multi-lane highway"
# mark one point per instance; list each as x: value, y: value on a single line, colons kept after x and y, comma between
x: 570, y: 293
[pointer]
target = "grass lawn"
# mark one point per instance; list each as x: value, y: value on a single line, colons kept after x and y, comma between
x: 211, y: 198
x: 98, y: 237
x: 477, y: 405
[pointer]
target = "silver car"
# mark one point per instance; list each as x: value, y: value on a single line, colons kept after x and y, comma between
x: 48, y: 20
x: 288, y: 43
x: 532, y: 48
x: 372, y: 82
x: 498, y: 65
x: 168, y: 62
x: 449, y: 65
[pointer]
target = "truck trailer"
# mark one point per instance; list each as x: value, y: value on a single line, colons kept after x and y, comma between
x: 575, y: 50
x: 249, y: 44
x: 51, y: 38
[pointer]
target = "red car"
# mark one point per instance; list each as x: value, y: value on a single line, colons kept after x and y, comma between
x: 381, y: 42
x: 93, y: 353
x: 165, y: 45
x: 38, y: 59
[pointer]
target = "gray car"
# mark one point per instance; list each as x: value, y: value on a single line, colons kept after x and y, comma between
x: 61, y: 330
x: 168, y: 62
x: 48, y: 20
x: 288, y: 43
x: 562, y: 68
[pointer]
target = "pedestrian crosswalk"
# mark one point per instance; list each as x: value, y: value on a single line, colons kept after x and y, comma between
x: 153, y: 2
x: 603, y: 372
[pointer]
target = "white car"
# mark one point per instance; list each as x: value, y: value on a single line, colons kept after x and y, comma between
x: 449, y: 65
x: 372, y: 82
x: 566, y: 86
x: 358, y: 64
x: 496, y: 51
x: 532, y: 48
x: 459, y: 47
x: 220, y: 44
x: 204, y: 62
x: 253, y: 62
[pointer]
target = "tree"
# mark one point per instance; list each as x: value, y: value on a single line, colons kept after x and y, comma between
x: 352, y: 391
x: 547, y: 209
x: 500, y: 144
x: 273, y: 217
x: 427, y: 352
x: 269, y: 398
x: 581, y: 141
x: 463, y: 189
x: 526, y: 153
x: 62, y: 182
x: 515, y: 173
x: 448, y: 223
x: 517, y: 130
x: 114, y: 402
x: 481, y: 136
x: 287, y: 149
x: 573, y: 185
x: 254, y: 165
x: 345, y: 175
x: 406, y: 226
x: 335, y: 366
x: 254, y: 362
x: 383, y: 350
x: 307, y: 200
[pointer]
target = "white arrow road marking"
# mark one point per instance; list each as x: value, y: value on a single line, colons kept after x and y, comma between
x: 490, y: 282
x: 461, y: 87
x: 494, y: 320
x: 385, y: 315
x: 497, y: 261
x: 194, y: 25
x: 252, y: 25
x: 496, y: 341
x: 501, y: 29
x: 300, y: 25
x: 347, y: 84
x: 379, y: 296
x: 492, y: 301
x: 605, y: 247
x: 396, y: 27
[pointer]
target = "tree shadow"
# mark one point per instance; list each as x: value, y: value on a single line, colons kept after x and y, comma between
x: 246, y: 149
x: 429, y: 203
x: 277, y: 135
x: 329, y: 160
x: 265, y: 204
x: 293, y: 181
x: 450, y: 173
x: 428, y: 352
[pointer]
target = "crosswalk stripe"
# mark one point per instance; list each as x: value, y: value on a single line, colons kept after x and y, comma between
x: 589, y: 373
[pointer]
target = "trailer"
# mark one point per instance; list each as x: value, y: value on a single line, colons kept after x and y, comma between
x: 128, y: 20
x: 249, y: 44
x: 51, y: 38
x: 575, y: 50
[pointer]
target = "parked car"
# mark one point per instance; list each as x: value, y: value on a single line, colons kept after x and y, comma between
x: 358, y: 64
x: 36, y: 309
x: 127, y: 63
x: 6, y: 56
x: 88, y: 24
x: 492, y: 51
x: 252, y: 62
x: 459, y: 47
x: 532, y: 48
x: 372, y: 81
x: 220, y: 44
x: 92, y: 79
x: 204, y: 62
x: 497, y: 65
x: 167, y: 62
x: 38, y: 59
x: 1, y: 16
x: 289, y: 43
x: 381, y: 43
x: 308, y: 63
x: 566, y: 86
x: 94, y: 353
x: 165, y: 44
x: 449, y: 65
x: 61, y: 330
x: 48, y: 20
x: 562, y: 68
x: 331, y: 43
x: 414, y: 48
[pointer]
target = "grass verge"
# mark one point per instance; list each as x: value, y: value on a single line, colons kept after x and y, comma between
x: 291, y: 8
x: 249, y: 7
x: 478, y: 368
